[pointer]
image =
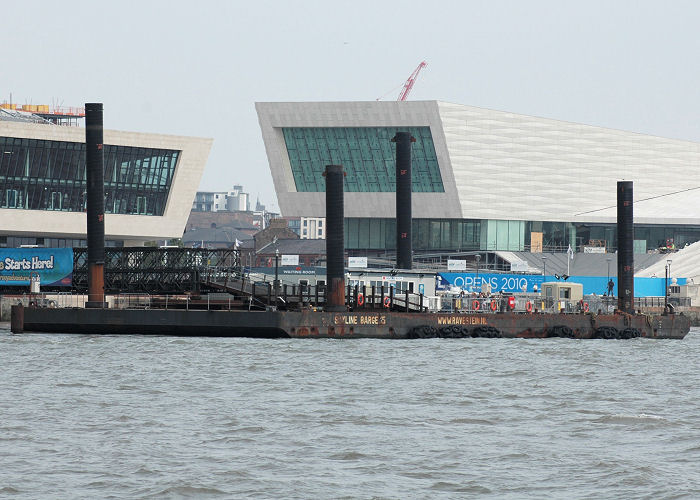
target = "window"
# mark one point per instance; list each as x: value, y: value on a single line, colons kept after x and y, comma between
x: 11, y: 199
x: 565, y: 293
x: 141, y: 205
x: 367, y: 154
x: 53, y: 176
x: 56, y: 200
x: 428, y: 234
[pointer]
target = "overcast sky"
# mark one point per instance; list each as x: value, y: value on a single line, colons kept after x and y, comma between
x: 197, y: 67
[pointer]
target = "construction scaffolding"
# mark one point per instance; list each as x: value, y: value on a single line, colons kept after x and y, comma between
x: 58, y: 115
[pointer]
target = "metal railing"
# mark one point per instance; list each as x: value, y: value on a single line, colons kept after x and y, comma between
x: 387, y: 298
x: 295, y: 296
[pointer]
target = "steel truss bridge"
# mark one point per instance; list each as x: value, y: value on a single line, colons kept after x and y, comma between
x: 157, y: 270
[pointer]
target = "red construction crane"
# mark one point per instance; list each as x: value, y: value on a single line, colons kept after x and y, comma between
x: 411, y: 80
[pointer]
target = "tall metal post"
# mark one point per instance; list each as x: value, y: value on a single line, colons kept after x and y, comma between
x: 94, y: 161
x: 335, y: 238
x: 625, y: 247
x: 608, y: 288
x: 276, y: 283
x: 544, y: 267
x: 478, y: 259
x: 404, y: 187
x: 667, y: 306
x: 666, y: 289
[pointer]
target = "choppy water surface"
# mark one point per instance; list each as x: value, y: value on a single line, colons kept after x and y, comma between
x: 160, y: 417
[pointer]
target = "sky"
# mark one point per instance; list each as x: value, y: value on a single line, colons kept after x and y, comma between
x: 197, y: 68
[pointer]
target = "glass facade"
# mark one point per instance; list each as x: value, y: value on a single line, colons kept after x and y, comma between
x: 366, y: 153
x: 502, y: 235
x: 37, y: 174
x: 428, y: 234
x: 432, y: 235
x: 18, y: 241
x: 654, y: 237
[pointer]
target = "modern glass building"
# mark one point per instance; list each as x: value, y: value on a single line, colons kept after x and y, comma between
x: 150, y: 182
x: 367, y: 155
x: 37, y: 174
x: 482, y: 179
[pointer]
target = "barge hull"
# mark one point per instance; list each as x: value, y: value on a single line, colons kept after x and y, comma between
x: 312, y: 324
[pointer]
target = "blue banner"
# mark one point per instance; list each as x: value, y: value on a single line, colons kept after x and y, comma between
x: 53, y: 266
x: 470, y: 282
x: 643, y: 287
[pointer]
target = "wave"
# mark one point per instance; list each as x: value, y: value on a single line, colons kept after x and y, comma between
x: 632, y: 419
x: 74, y: 384
x: 475, y: 421
x: 188, y: 491
x: 446, y: 486
x: 348, y: 455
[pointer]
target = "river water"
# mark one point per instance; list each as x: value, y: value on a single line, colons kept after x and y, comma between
x: 166, y: 417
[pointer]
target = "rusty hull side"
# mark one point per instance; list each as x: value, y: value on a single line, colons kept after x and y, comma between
x: 312, y: 324
x: 510, y: 325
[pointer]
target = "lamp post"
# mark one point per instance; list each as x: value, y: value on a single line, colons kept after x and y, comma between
x: 544, y: 267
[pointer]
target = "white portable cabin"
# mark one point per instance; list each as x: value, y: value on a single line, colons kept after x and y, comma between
x: 562, y: 290
x: 400, y: 280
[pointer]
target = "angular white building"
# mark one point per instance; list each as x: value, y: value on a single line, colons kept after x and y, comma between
x: 482, y: 179
x: 150, y: 182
